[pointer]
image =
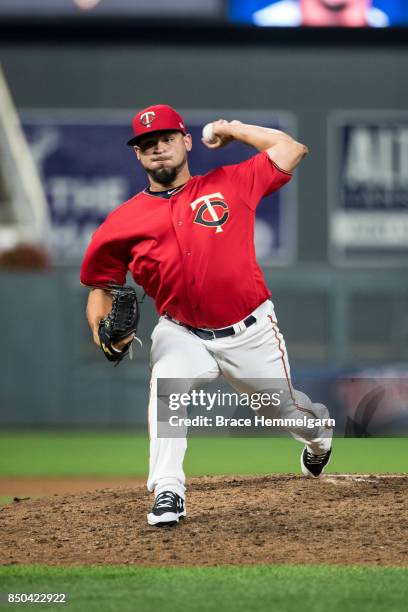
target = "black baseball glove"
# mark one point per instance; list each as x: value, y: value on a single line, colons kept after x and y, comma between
x: 120, y: 322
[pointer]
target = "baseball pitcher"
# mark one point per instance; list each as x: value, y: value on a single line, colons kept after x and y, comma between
x: 189, y: 242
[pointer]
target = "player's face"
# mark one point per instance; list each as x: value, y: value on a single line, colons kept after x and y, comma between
x: 163, y: 154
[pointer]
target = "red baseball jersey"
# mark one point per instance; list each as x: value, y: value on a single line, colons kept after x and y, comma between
x: 192, y: 251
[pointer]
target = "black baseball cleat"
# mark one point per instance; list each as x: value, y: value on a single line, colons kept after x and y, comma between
x: 168, y: 509
x: 313, y: 465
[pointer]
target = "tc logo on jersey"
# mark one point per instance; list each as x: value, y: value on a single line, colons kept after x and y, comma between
x: 147, y: 118
x: 212, y: 211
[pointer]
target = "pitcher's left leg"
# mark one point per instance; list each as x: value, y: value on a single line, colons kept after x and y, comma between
x: 176, y: 355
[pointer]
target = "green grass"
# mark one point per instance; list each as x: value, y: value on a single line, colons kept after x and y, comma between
x: 5, y: 499
x: 126, y: 454
x: 216, y: 589
x: 213, y: 589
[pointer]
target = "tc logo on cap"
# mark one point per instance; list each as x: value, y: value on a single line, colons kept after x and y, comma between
x: 147, y: 118
x: 160, y: 117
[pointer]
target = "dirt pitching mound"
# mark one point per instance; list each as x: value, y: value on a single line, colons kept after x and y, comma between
x: 231, y: 520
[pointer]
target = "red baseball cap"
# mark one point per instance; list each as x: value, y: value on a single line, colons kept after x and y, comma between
x: 155, y: 119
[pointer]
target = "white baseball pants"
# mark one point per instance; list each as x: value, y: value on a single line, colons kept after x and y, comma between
x: 257, y: 352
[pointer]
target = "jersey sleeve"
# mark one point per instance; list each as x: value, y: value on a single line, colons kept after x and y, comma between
x: 256, y: 178
x: 105, y: 261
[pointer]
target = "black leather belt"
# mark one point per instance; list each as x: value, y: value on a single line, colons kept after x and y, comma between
x: 211, y: 334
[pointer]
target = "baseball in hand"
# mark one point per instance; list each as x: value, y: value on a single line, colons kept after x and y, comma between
x: 208, y: 133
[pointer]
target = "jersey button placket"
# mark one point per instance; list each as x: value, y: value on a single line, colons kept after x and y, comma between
x: 178, y: 224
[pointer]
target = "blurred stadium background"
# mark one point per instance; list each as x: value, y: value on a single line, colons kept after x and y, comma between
x: 334, y: 245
